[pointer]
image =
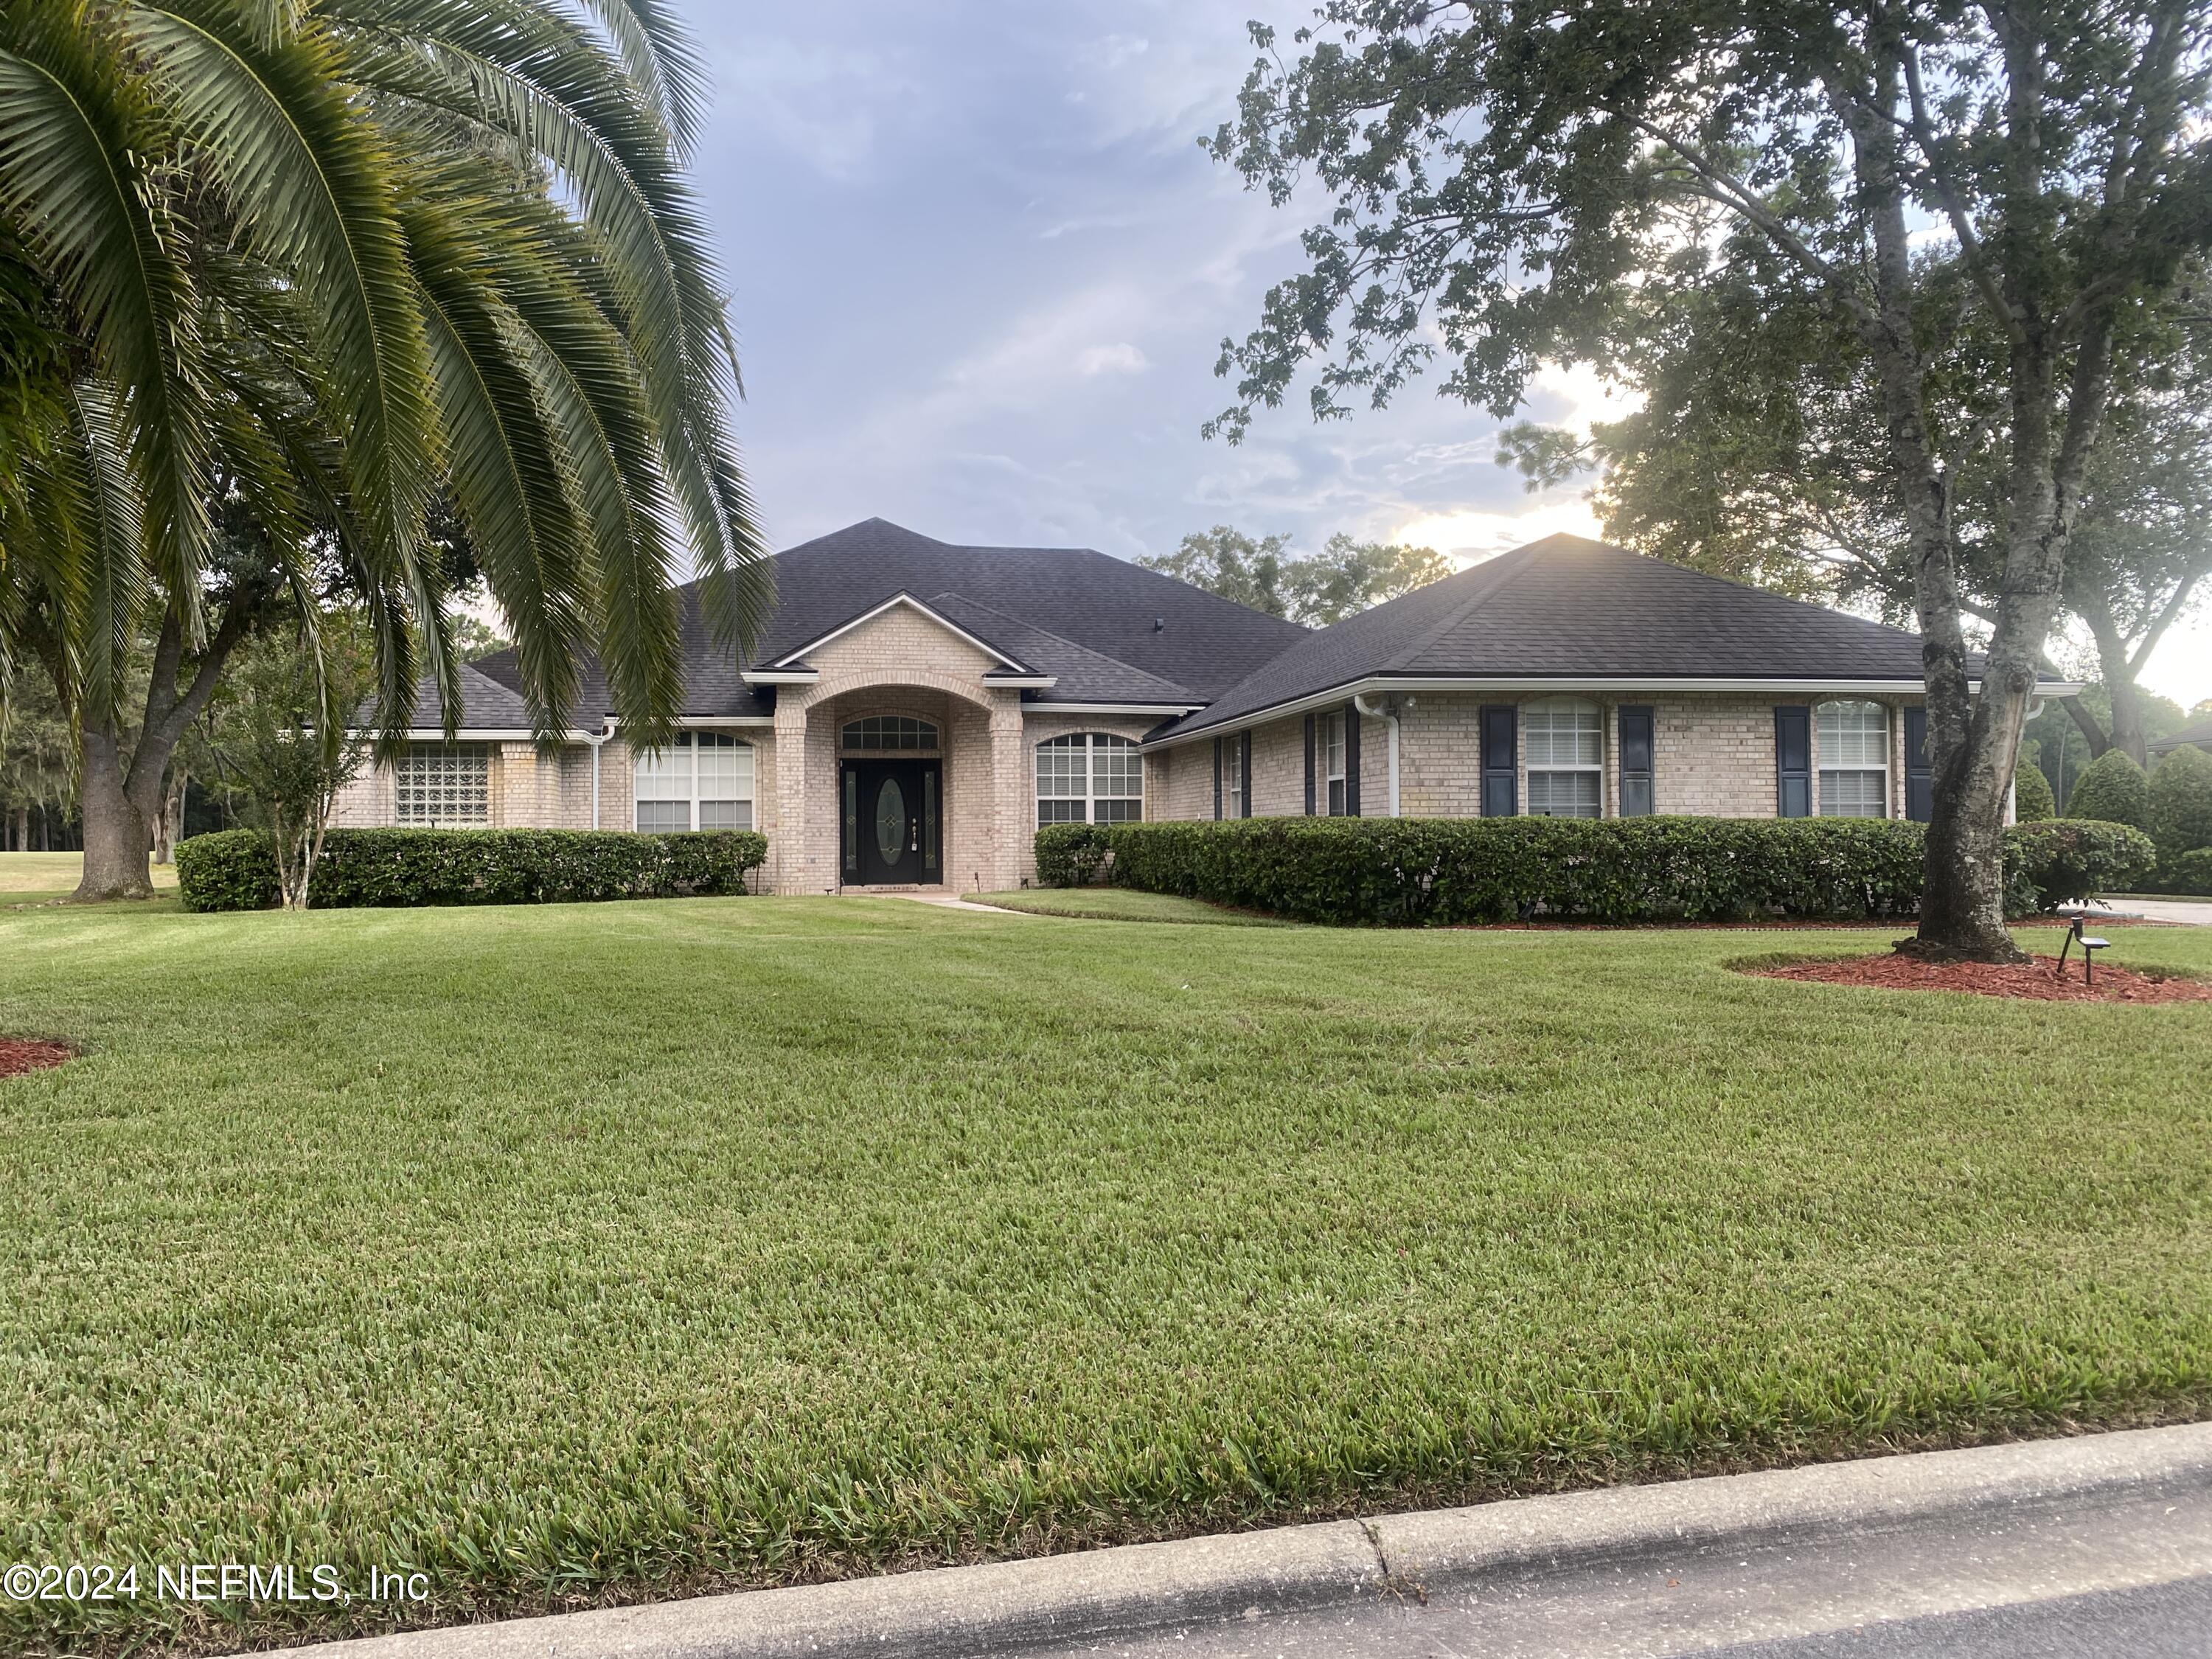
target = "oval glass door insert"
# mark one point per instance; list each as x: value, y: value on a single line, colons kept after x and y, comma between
x: 890, y: 820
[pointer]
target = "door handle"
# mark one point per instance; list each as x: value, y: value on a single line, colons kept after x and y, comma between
x: 913, y: 835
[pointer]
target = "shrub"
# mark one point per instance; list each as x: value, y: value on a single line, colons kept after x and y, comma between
x: 1070, y: 855
x: 235, y: 869
x: 2112, y: 791
x: 2187, y: 873
x: 1447, y: 871
x: 2066, y: 860
x: 229, y: 870
x: 2181, y: 803
x: 2032, y: 801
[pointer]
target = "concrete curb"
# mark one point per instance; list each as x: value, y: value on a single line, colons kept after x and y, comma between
x: 1007, y: 1606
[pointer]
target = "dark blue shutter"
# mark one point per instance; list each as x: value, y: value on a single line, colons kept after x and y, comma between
x: 1350, y: 760
x: 1244, y: 771
x: 1636, y: 732
x: 1216, y: 777
x: 1919, y: 776
x: 1501, y: 792
x: 1793, y: 760
x: 1309, y: 766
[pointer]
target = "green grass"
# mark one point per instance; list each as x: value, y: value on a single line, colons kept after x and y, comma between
x: 1124, y: 904
x: 33, y: 877
x: 581, y: 1254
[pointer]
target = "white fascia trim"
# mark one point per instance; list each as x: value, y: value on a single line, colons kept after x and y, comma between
x: 1567, y: 687
x: 475, y: 734
x: 1165, y: 710
x: 909, y: 599
x: 1022, y: 682
x: 780, y: 676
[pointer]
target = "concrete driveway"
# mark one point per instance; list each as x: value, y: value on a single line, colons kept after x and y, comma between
x: 2193, y: 913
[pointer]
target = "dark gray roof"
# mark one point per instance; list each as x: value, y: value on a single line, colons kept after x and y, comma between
x: 1567, y: 608
x: 1109, y: 631
x: 2198, y: 732
x: 490, y: 705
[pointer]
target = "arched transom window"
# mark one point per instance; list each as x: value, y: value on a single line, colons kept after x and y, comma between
x: 1089, y: 777
x: 891, y: 734
x: 1852, y: 742
x: 1566, y: 755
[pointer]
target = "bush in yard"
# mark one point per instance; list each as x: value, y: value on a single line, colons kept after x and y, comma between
x: 1448, y: 872
x: 2188, y: 873
x: 229, y: 870
x: 2113, y: 790
x: 2033, y: 800
x: 372, y: 868
x: 2066, y: 860
x: 2181, y: 803
x: 1070, y: 855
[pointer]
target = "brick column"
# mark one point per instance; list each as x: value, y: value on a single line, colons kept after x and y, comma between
x: 1012, y: 792
x: 786, y: 846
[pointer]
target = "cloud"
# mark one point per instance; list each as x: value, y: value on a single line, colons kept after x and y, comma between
x: 1471, y: 536
x: 1120, y: 358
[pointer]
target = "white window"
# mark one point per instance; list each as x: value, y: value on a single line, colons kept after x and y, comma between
x: 1232, y: 774
x: 443, y: 789
x: 1089, y: 777
x: 703, y: 780
x: 893, y: 733
x: 1566, y: 757
x: 1328, y: 735
x: 1852, y: 742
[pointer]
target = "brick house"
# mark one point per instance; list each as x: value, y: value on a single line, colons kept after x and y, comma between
x: 917, y: 710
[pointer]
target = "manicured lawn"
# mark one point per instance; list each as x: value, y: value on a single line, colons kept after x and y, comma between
x: 1124, y: 904
x: 27, y: 877
x: 592, y: 1252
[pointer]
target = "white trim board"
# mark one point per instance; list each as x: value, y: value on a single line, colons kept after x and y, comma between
x: 790, y: 659
x: 1374, y: 683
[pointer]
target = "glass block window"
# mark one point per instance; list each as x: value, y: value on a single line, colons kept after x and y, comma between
x: 1328, y: 738
x: 1851, y: 740
x: 439, y: 788
x: 703, y: 780
x: 1565, y: 741
x: 1089, y: 777
x: 895, y: 733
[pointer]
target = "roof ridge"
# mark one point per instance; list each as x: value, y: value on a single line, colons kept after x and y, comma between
x: 1521, y: 556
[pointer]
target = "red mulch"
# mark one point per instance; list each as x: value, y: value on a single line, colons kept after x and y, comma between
x: 18, y: 1056
x: 2035, y: 980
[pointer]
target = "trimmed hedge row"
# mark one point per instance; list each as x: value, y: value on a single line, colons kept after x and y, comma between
x: 235, y: 869
x: 1449, y: 872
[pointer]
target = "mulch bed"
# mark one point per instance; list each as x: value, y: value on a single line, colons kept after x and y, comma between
x: 2037, y: 980
x: 18, y: 1056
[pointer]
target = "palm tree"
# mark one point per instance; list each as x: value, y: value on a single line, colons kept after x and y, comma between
x: 320, y: 266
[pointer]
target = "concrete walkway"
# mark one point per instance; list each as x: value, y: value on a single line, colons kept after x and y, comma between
x: 2101, y: 1544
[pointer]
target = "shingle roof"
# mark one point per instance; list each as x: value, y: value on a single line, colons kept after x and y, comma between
x: 1109, y: 630
x: 1567, y: 608
x: 2198, y: 732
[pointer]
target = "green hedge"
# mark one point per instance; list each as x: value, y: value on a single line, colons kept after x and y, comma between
x: 2186, y: 874
x: 1448, y: 872
x: 235, y: 869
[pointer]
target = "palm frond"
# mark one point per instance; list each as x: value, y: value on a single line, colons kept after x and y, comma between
x: 76, y: 144
x: 312, y: 186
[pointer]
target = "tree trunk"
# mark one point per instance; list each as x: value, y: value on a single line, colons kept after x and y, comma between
x: 118, y: 838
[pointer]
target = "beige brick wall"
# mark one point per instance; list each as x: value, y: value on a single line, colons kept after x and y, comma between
x: 1714, y: 758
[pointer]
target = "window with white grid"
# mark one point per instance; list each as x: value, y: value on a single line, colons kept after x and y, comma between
x: 1852, y: 742
x: 1565, y: 744
x: 1089, y: 777
x: 703, y: 780
x: 1329, y: 734
x: 1232, y: 774
x: 440, y: 788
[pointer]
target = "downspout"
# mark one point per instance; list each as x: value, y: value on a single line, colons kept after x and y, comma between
x: 597, y: 744
x: 1387, y: 714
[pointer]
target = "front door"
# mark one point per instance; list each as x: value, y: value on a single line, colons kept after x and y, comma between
x: 890, y: 816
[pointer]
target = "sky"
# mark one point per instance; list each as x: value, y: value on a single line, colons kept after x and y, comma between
x: 983, y: 272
